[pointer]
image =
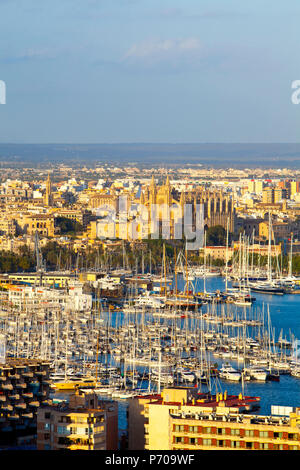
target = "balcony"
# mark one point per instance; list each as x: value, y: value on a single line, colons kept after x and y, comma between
x: 14, y: 376
x: 7, y: 386
x: 27, y: 415
x: 14, y: 396
x: 21, y: 406
x: 21, y: 385
x: 28, y: 374
x: 14, y: 417
x: 6, y: 407
x: 36, y: 404
x: 41, y: 372
x: 46, y: 382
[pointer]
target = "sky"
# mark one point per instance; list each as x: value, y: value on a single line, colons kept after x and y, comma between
x: 111, y: 71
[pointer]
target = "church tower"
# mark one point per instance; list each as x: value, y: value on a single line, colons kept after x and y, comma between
x: 152, y: 192
x: 48, y: 195
x: 167, y: 190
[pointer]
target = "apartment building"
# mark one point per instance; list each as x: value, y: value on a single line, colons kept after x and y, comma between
x: 24, y: 387
x: 149, y: 426
x: 181, y: 419
x: 83, y: 217
x: 280, y: 230
x: 7, y: 226
x: 82, y: 424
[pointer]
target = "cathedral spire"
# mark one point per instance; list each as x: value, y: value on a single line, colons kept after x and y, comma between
x: 142, y: 198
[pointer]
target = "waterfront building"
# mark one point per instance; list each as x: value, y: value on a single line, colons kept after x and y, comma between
x: 218, y: 252
x: 179, y: 419
x: 72, y: 298
x: 55, y: 279
x: 147, y: 431
x: 261, y: 250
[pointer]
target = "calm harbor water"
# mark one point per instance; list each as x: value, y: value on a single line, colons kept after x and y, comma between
x: 284, y: 315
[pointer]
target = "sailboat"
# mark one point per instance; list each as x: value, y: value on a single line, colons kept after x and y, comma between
x: 270, y: 286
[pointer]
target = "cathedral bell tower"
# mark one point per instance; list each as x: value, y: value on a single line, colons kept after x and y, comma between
x: 48, y: 195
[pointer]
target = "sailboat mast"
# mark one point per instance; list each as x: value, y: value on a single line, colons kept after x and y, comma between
x: 226, y: 278
x: 291, y: 258
x: 175, y: 268
x: 165, y: 272
x: 97, y: 353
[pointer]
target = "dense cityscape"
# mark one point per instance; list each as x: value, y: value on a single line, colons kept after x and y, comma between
x: 149, y: 230
x: 116, y: 337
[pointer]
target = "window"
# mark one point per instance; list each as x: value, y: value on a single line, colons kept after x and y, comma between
x: 220, y: 443
x: 264, y: 434
x: 207, y: 442
x: 235, y: 444
x: 249, y: 445
x: 192, y: 440
x: 47, y: 426
x: 63, y: 430
x: 235, y: 432
x: 65, y: 419
x: 263, y: 445
x: 250, y: 432
x: 207, y: 430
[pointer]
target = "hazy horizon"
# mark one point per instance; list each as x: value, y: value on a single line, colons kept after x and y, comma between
x: 213, y: 154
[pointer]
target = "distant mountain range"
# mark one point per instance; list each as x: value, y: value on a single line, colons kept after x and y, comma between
x: 237, y: 155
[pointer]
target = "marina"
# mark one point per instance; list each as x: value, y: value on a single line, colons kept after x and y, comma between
x: 141, y: 347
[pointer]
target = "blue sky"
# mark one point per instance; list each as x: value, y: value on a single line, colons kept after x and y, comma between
x: 92, y: 71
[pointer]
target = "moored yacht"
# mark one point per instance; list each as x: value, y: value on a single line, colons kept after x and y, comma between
x: 227, y: 372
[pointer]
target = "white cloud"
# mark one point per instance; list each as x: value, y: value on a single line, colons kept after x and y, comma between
x: 169, y: 51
